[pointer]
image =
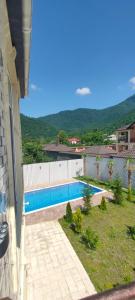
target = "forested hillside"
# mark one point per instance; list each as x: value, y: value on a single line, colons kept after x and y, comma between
x: 80, y: 120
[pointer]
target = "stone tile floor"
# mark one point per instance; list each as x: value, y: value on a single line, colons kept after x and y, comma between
x: 53, y: 269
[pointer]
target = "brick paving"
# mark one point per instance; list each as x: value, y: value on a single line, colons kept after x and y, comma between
x: 54, y: 272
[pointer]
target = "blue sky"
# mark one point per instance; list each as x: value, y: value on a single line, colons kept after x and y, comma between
x: 82, y: 55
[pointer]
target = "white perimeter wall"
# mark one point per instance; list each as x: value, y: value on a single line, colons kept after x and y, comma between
x: 51, y: 172
x: 119, y: 169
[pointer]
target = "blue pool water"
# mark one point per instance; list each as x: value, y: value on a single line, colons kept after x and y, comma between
x: 44, y: 198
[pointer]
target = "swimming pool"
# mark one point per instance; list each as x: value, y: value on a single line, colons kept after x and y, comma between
x: 44, y: 198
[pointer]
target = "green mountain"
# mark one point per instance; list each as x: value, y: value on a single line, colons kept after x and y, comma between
x: 81, y: 119
x: 36, y: 128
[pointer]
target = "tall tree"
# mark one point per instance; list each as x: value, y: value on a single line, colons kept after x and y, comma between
x: 130, y: 166
x: 62, y: 136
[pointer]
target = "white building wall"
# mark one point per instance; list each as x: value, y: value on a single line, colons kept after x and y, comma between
x: 51, y: 172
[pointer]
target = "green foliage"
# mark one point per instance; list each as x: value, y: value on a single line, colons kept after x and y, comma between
x: 62, y: 137
x: 98, y: 158
x: 127, y: 278
x: 77, y: 220
x: 93, y: 138
x: 90, y: 238
x: 87, y: 199
x: 129, y: 194
x: 131, y: 231
x: 33, y: 153
x: 108, y: 286
x: 69, y: 214
x: 117, y: 190
x: 103, y: 205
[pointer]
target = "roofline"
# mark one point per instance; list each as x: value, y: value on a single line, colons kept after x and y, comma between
x: 20, y: 28
x: 128, y: 127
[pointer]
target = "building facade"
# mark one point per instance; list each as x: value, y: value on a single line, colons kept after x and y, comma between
x: 126, y: 137
x: 15, y: 29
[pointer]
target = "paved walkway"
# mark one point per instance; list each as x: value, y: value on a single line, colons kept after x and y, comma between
x: 53, y: 269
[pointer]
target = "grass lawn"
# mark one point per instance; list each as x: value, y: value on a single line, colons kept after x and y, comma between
x: 113, y: 262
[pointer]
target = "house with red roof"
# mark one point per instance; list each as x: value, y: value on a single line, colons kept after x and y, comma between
x: 74, y: 140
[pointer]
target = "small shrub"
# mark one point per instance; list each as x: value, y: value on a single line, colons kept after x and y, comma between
x: 103, y: 205
x: 108, y: 286
x: 73, y: 226
x: 129, y: 194
x: 117, y: 190
x: 69, y: 214
x: 90, y: 238
x: 77, y: 220
x: 87, y: 199
x: 131, y: 231
x: 127, y: 278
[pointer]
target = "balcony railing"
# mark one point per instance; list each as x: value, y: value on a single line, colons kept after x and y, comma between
x: 122, y: 139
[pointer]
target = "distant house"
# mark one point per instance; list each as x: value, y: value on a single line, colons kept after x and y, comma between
x: 126, y: 137
x: 74, y: 140
x: 112, y: 138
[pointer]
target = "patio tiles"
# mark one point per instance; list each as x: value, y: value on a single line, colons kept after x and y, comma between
x: 53, y: 269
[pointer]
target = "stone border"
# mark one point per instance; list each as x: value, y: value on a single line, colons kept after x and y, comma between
x: 57, y: 212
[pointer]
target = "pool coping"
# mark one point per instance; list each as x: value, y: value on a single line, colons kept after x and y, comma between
x: 58, y: 204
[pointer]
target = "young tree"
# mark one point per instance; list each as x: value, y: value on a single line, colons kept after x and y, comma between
x: 130, y: 166
x: 87, y: 199
x: 103, y: 205
x: 98, y: 159
x: 77, y: 219
x: 117, y: 190
x: 110, y: 168
x: 69, y: 214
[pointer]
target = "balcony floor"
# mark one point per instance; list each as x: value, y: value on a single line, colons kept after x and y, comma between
x: 53, y: 269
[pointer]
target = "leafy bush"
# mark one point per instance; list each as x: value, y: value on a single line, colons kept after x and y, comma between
x: 103, y: 205
x: 77, y: 220
x: 117, y: 190
x: 108, y: 286
x: 127, y: 278
x: 90, y: 238
x: 69, y: 214
x: 131, y: 231
x: 87, y: 199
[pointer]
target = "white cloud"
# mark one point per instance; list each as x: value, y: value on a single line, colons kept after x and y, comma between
x: 83, y: 91
x: 132, y: 83
x: 34, y: 87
